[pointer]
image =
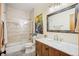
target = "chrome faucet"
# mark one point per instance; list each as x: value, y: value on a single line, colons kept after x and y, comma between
x: 56, y: 37
x: 45, y: 36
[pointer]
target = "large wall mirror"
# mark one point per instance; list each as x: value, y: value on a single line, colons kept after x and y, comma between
x: 64, y: 20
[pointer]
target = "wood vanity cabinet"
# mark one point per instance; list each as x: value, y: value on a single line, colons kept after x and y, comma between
x: 64, y: 54
x: 53, y: 52
x: 41, y: 49
x: 38, y: 48
x: 45, y: 50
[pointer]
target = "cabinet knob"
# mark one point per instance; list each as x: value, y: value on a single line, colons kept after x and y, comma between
x: 46, y: 48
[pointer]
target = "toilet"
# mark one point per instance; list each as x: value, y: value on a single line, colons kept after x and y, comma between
x: 30, y: 49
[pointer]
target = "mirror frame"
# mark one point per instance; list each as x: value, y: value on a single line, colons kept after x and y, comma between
x: 62, y: 10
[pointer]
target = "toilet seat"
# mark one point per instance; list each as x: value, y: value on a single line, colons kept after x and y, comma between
x: 29, y: 48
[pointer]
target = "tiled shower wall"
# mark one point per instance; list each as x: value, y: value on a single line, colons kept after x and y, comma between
x: 18, y: 29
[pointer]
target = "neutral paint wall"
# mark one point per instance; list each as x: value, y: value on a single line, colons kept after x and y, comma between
x: 0, y: 11
x: 67, y: 37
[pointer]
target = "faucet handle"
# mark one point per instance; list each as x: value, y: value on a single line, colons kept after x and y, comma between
x: 56, y: 37
x: 61, y: 39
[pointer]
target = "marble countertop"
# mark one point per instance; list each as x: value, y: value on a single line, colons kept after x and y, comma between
x: 68, y: 48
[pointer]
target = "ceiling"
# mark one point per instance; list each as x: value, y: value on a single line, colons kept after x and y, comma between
x: 28, y: 6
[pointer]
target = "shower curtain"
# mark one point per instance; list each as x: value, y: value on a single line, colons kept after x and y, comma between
x: 1, y: 34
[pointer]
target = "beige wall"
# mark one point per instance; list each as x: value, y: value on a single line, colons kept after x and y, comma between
x: 0, y: 10
x: 67, y: 37
x: 78, y: 34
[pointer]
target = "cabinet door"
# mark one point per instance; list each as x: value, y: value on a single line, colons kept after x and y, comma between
x: 51, y: 52
x: 45, y: 50
x: 54, y: 52
x: 38, y: 48
x: 57, y: 52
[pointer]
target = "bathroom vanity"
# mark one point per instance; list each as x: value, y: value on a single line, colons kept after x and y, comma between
x: 45, y: 47
x: 64, y: 20
x: 45, y: 50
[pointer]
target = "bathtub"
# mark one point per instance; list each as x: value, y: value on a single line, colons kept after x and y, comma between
x: 14, y: 47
